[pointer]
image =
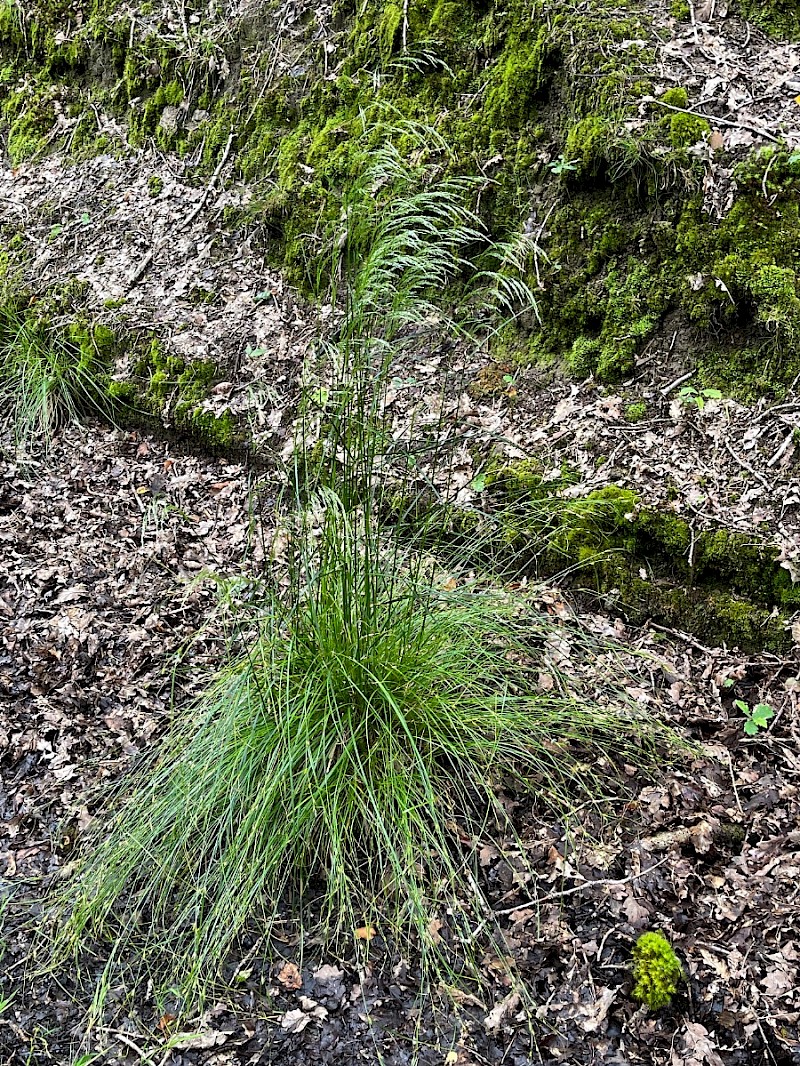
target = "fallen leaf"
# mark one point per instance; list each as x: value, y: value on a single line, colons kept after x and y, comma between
x: 295, y: 1021
x: 636, y: 913
x: 593, y: 1015
x: 289, y: 976
x: 199, y: 1040
x: 699, y: 1047
x: 494, y: 1019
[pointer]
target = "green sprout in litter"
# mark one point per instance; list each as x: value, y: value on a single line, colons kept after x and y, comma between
x: 689, y: 395
x: 755, y: 718
x: 562, y: 165
x: 656, y: 970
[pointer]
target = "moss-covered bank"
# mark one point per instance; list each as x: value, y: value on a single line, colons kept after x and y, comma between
x: 547, y: 101
x: 157, y: 391
x: 648, y: 564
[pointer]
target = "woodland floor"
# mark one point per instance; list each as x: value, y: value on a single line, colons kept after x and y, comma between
x: 104, y: 578
x: 101, y: 557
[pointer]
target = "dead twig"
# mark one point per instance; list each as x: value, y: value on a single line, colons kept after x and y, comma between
x: 674, y: 384
x: 685, y: 638
x: 218, y: 170
x: 746, y: 466
x: 782, y: 450
x: 602, y: 882
x: 714, y: 119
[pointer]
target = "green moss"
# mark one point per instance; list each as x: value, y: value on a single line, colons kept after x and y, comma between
x: 636, y: 411
x: 584, y: 356
x: 676, y: 97
x: 725, y: 585
x: 656, y: 970
x: 217, y: 433
x: 30, y: 114
x: 588, y: 143
x: 686, y: 130
x: 779, y: 17
x: 520, y: 79
x: 166, y: 386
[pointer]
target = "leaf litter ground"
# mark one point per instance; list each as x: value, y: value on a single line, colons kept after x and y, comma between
x: 97, y: 597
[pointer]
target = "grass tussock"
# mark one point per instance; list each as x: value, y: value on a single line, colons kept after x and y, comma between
x: 46, y: 380
x: 349, y: 756
x: 337, y: 764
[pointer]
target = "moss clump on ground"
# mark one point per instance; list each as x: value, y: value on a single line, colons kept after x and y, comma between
x: 636, y: 411
x: 656, y: 970
x: 172, y: 390
x: 647, y: 563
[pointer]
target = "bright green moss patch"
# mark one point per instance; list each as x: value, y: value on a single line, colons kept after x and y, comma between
x: 685, y: 130
x: 778, y: 17
x: 656, y: 970
x: 170, y: 390
x: 647, y: 563
x: 636, y: 411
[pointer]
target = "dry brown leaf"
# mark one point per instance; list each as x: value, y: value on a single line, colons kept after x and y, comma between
x: 199, y: 1041
x: 636, y: 913
x: 592, y: 1015
x: 494, y: 1019
x: 289, y: 976
x: 698, y: 1046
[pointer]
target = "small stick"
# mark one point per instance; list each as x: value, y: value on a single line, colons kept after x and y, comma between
x: 674, y: 384
x: 683, y: 637
x: 746, y: 466
x: 140, y: 270
x: 781, y: 451
x: 605, y: 882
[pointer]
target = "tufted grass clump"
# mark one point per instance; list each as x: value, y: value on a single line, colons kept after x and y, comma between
x: 374, y: 713
x: 343, y: 766
x: 657, y: 971
x: 47, y: 379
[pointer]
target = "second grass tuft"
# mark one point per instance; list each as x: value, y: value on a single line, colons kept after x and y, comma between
x: 48, y: 379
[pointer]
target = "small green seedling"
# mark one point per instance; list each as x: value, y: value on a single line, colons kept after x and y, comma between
x: 755, y: 718
x: 656, y: 970
x: 563, y: 166
x: 690, y: 395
